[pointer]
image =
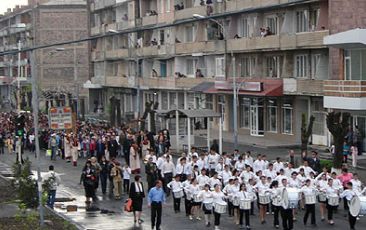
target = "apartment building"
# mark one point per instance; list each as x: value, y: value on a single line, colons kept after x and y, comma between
x: 61, y: 70
x: 274, y: 48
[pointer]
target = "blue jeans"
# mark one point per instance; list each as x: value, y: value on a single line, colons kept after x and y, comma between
x: 53, y: 153
x: 51, y: 198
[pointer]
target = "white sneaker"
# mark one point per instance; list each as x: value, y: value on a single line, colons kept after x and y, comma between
x: 190, y: 217
x: 217, y: 228
x: 198, y: 218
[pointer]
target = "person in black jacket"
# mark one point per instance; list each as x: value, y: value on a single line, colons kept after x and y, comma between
x: 314, y: 162
x: 104, y: 173
x: 137, y: 194
x: 113, y: 147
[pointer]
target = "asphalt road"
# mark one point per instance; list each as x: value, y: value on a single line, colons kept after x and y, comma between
x: 70, y: 187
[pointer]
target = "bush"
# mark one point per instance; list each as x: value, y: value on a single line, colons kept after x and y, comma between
x: 26, y: 187
x: 326, y: 163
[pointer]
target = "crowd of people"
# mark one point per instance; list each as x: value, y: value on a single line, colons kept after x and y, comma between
x: 206, y: 183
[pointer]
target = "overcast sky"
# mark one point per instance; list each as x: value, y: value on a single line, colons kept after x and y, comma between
x: 5, y: 4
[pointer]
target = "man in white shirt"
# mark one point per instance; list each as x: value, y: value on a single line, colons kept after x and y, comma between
x: 259, y: 164
x: 226, y: 174
x: 213, y: 159
x: 249, y: 159
x: 348, y: 195
x: 202, y: 162
x: 167, y: 173
x: 53, y: 181
x: 356, y: 184
x: 270, y: 172
x: 278, y: 165
x: 307, y: 169
x: 247, y: 174
x: 203, y: 179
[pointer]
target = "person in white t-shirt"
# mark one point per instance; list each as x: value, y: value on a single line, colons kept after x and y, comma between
x: 356, y: 184
x: 278, y: 165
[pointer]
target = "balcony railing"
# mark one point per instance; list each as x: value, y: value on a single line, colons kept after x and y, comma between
x: 150, y: 20
x: 157, y: 83
x: 188, y: 83
x: 116, y: 54
x: 338, y: 88
x: 117, y: 81
x: 293, y: 86
x: 234, y: 5
x: 188, y: 12
x: 283, y: 41
x: 199, y: 47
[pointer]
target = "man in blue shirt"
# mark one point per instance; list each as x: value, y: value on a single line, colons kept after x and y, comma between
x: 155, y: 199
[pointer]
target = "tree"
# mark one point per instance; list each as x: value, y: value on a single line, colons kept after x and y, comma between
x: 148, y: 105
x: 306, y: 132
x: 337, y: 124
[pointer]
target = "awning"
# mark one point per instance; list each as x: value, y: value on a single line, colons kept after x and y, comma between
x: 355, y: 38
x: 261, y: 87
x: 202, y: 87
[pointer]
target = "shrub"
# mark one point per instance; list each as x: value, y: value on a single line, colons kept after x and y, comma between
x: 326, y: 163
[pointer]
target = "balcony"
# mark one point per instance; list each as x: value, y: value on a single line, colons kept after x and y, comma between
x: 97, y: 56
x: 283, y: 41
x: 117, y: 81
x: 95, y: 30
x: 200, y: 47
x: 150, y: 20
x: 293, y: 86
x: 350, y: 95
x: 188, y: 12
x: 335, y: 88
x: 235, y: 5
x: 188, y: 83
x: 116, y: 54
x: 146, y: 51
x: 100, y: 4
x: 158, y: 83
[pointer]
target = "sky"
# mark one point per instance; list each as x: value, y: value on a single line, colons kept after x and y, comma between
x: 5, y: 4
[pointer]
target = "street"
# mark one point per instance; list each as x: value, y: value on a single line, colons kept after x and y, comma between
x: 120, y: 220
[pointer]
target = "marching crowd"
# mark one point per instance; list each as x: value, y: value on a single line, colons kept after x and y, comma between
x: 207, y: 183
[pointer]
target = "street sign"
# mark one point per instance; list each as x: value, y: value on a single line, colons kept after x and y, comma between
x: 60, y: 118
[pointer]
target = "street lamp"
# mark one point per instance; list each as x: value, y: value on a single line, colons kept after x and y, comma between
x: 235, y: 105
x: 136, y: 72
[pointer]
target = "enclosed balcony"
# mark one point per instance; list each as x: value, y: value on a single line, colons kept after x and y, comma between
x: 293, y: 86
x: 118, y: 81
x: 235, y: 5
x: 200, y: 47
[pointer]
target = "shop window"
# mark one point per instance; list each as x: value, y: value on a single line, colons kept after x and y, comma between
x: 272, y: 116
x: 287, y: 118
x: 244, y: 112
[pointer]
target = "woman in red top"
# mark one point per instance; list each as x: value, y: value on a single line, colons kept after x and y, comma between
x: 345, y: 177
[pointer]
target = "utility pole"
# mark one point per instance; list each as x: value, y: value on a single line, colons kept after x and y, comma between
x: 18, y: 77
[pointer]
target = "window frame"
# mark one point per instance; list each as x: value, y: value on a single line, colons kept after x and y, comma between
x: 270, y: 107
x: 301, y: 66
x: 286, y: 107
x: 220, y: 62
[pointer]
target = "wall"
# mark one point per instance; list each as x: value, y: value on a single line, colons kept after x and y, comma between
x: 343, y: 15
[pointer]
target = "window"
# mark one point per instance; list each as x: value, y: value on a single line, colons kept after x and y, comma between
x: 220, y: 67
x: 319, y: 123
x: 221, y: 105
x: 209, y: 101
x: 287, y: 118
x: 301, y: 21
x: 314, y: 17
x: 244, y: 28
x: 167, y: 5
x: 247, y: 66
x: 355, y: 64
x: 191, y: 66
x: 272, y: 115
x: 301, y: 65
x: 244, y: 112
x: 273, y: 64
x: 164, y: 100
x: 162, y: 37
x: 315, y: 62
x: 190, y: 33
x: 163, y: 68
x: 271, y: 22
x: 172, y: 100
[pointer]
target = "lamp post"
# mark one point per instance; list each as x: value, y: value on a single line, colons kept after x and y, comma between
x: 235, y: 105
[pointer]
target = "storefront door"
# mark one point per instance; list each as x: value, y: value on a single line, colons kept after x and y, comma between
x: 256, y: 118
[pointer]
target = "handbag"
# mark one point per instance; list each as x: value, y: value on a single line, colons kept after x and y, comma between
x: 128, y: 205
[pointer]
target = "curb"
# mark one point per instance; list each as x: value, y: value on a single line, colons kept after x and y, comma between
x: 62, y: 216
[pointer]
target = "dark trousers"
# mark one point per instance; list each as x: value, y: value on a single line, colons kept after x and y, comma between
x: 242, y: 213
x: 103, y: 182
x: 287, y: 218
x: 1, y: 149
x: 188, y: 206
x: 156, y: 214
x: 176, y: 204
x: 276, y: 210
x: 310, y: 209
x: 345, y: 203
x: 126, y: 185
x: 167, y: 178
x: 252, y: 208
x: 351, y: 220
x: 330, y: 211
x: 126, y: 153
x: 217, y: 218
x: 231, y: 208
